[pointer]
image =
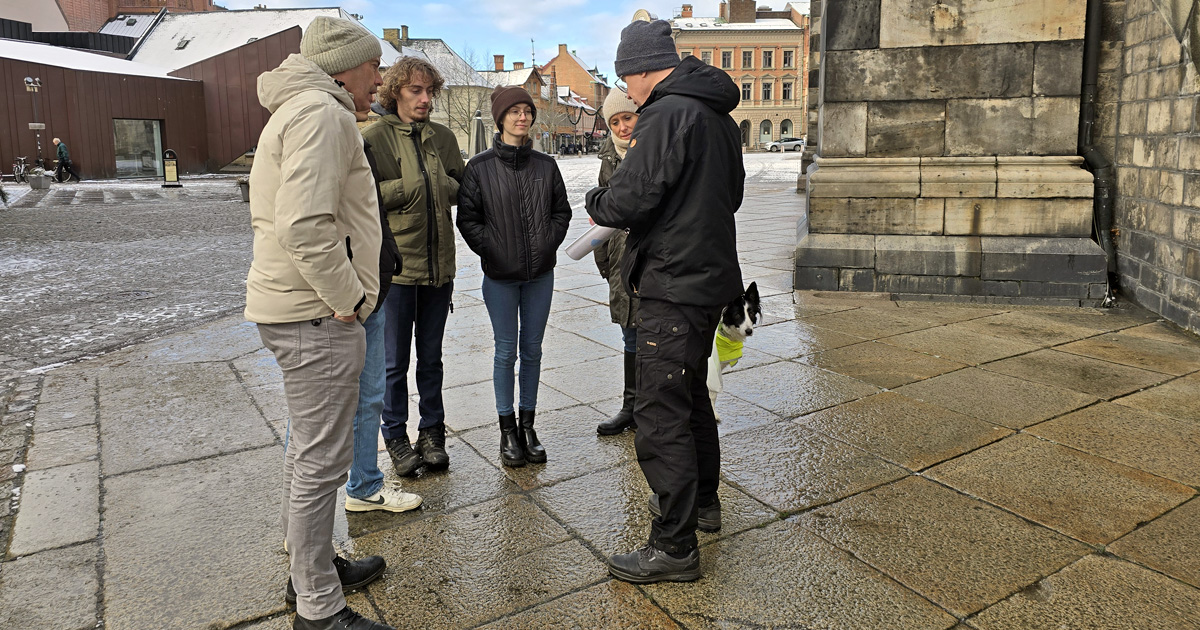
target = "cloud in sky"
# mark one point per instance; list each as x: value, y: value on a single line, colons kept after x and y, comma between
x: 592, y: 28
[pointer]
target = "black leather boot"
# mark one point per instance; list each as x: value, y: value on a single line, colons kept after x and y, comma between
x: 345, y: 619
x: 534, y: 453
x: 624, y: 418
x: 353, y: 574
x: 431, y: 446
x: 511, y: 452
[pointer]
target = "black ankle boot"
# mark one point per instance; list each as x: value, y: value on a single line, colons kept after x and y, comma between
x: 511, y: 452
x: 431, y: 446
x: 624, y: 418
x: 534, y: 452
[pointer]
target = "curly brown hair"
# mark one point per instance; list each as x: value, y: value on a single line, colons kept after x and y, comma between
x: 402, y: 73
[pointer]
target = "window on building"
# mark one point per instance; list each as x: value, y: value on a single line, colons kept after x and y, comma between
x: 789, y: 58
x: 684, y: 54
x: 706, y: 57
x: 747, y: 58
x: 766, y: 91
x: 785, y: 129
x: 726, y: 59
x: 768, y: 58
x: 764, y: 132
x: 787, y: 90
x: 746, y: 87
x: 138, y: 147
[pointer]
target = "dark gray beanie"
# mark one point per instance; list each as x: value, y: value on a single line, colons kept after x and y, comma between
x: 645, y: 47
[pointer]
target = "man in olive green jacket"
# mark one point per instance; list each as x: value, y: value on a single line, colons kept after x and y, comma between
x: 419, y: 167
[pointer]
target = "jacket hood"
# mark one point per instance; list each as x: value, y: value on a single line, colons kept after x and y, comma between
x: 698, y: 80
x: 295, y: 75
x: 407, y: 128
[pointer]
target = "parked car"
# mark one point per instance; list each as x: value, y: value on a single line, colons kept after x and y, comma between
x: 786, y: 144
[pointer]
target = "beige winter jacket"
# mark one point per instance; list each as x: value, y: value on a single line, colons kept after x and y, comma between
x: 312, y: 203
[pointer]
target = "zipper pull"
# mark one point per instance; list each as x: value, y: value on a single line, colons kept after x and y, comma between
x: 451, y: 306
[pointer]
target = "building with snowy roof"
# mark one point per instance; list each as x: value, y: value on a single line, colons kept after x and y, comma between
x: 466, y: 91
x: 765, y: 52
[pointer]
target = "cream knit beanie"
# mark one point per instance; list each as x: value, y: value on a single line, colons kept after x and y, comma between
x: 617, y: 102
x: 338, y: 45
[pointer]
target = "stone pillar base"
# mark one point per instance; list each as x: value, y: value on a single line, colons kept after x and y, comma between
x: 1011, y: 270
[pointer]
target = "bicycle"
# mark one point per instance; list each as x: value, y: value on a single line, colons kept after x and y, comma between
x: 21, y: 171
x: 64, y: 174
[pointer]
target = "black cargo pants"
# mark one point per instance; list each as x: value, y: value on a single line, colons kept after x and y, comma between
x: 676, y: 438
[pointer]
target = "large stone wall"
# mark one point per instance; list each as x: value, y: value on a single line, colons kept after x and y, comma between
x: 1151, y: 127
x: 946, y: 157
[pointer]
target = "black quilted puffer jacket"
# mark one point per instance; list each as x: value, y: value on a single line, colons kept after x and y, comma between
x: 513, y: 211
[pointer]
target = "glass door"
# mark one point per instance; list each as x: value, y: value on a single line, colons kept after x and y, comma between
x: 138, y: 147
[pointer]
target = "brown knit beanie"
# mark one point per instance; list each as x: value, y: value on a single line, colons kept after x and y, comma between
x: 504, y: 97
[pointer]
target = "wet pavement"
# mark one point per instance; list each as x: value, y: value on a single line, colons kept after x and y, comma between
x: 900, y: 465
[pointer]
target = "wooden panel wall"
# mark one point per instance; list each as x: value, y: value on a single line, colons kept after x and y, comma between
x: 79, y: 107
x: 235, y: 117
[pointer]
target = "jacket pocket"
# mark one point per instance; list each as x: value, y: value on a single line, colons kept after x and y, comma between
x: 405, y: 223
x: 662, y: 349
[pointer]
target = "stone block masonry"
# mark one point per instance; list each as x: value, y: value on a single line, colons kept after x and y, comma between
x: 1151, y: 131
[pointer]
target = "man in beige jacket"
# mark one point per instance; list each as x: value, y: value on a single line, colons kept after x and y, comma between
x: 313, y: 281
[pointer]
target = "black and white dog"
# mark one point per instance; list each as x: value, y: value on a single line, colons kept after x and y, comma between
x: 737, y: 323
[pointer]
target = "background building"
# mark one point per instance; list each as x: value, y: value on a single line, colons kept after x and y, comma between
x: 91, y: 15
x: 581, y: 92
x: 466, y: 90
x: 765, y: 52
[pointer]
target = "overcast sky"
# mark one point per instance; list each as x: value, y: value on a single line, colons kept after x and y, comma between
x: 482, y: 28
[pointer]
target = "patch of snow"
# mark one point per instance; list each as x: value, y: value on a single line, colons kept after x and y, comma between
x: 18, y: 468
x: 71, y: 59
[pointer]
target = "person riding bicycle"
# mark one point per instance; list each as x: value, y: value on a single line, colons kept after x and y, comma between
x: 64, y: 161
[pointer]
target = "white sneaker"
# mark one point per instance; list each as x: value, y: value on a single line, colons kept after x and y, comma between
x: 390, y: 498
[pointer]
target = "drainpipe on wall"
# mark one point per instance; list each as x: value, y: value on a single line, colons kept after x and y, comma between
x: 1101, y: 168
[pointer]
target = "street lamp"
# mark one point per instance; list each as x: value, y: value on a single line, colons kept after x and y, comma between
x: 33, y: 85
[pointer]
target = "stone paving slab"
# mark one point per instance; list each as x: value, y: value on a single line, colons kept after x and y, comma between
x: 792, y: 468
x: 958, y: 551
x: 869, y: 324
x: 59, y: 506
x: 470, y: 480
x: 1157, y: 444
x: 572, y: 447
x: 53, y: 589
x: 149, y: 415
x: 1082, y: 374
x: 881, y: 364
x: 609, y: 605
x: 476, y: 564
x: 1004, y: 400
x: 1167, y: 544
x: 904, y: 431
x: 588, y: 382
x: 792, y: 389
x: 215, y: 341
x: 784, y: 576
x: 1126, y: 348
x: 62, y: 447
x: 1175, y: 398
x: 1031, y: 327
x: 68, y: 400
x: 791, y: 338
x: 195, y: 544
x: 623, y: 523
x: 1083, y: 496
x: 959, y: 345
x: 1098, y: 593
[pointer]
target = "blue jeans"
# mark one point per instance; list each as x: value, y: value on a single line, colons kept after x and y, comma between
x: 629, y: 336
x: 518, y: 310
x: 426, y: 309
x: 365, y: 477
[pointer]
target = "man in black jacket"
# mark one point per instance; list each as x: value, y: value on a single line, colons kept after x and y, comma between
x: 676, y: 192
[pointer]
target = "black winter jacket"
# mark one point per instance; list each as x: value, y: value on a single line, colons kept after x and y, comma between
x: 390, y: 262
x: 513, y: 211
x: 677, y: 191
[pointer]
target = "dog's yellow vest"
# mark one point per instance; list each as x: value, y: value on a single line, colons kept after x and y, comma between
x: 728, y: 350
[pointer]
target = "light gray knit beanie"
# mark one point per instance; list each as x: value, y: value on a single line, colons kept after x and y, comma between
x: 645, y: 47
x: 617, y: 102
x: 338, y: 45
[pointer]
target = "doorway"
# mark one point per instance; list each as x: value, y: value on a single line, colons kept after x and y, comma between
x: 138, y: 147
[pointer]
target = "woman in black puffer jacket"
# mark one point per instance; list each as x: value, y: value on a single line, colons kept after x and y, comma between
x: 513, y: 212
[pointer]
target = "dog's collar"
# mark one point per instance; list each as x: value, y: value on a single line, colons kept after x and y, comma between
x: 728, y: 350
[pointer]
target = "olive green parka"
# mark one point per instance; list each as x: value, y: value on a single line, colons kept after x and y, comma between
x: 420, y: 167
x: 621, y: 306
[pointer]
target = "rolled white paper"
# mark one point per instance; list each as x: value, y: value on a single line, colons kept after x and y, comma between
x: 590, y: 240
